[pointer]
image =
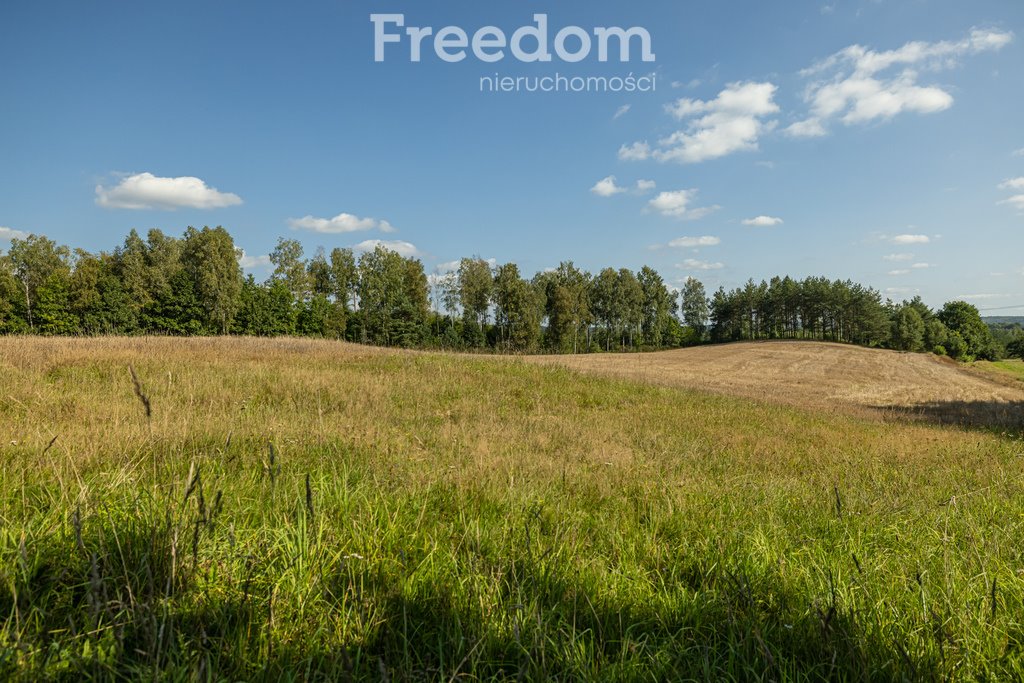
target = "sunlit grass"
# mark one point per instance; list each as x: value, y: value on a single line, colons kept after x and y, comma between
x: 480, y: 518
x: 1014, y: 367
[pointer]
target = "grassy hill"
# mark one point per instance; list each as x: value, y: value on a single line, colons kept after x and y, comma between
x: 827, y: 377
x: 313, y: 510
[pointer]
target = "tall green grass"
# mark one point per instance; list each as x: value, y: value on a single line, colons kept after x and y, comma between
x: 306, y: 512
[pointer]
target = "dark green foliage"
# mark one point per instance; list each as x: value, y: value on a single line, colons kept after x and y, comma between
x: 211, y: 261
x: 1015, y: 348
x: 53, y: 312
x: 908, y: 330
x: 32, y: 261
x: 12, y: 302
x: 517, y: 311
x: 695, y: 308
x: 962, y: 319
x: 178, y: 311
x: 815, y: 308
x: 194, y: 285
x: 393, y: 299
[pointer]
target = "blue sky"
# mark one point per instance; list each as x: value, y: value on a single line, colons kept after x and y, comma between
x: 867, y: 139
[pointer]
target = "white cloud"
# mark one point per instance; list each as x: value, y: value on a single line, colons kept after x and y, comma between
x: 694, y: 264
x: 452, y: 266
x: 147, y: 191
x: 703, y: 241
x: 762, y: 221
x: 405, y: 249
x: 1016, y: 201
x: 8, y: 234
x: 732, y: 122
x: 898, y: 257
x: 621, y: 111
x: 902, y: 290
x: 910, y: 239
x: 607, y: 187
x: 858, y: 85
x: 447, y: 266
x: 808, y: 128
x: 901, y: 271
x: 921, y: 266
x: 672, y: 203
x: 250, y: 262
x: 981, y: 297
x: 342, y: 223
x: 638, y: 151
x: 1018, y: 152
x: 676, y: 205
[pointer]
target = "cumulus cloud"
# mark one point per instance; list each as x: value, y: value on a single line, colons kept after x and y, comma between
x: 910, y: 239
x: 694, y: 264
x: 8, y: 234
x: 731, y: 122
x: 672, y: 203
x: 447, y: 266
x: 147, y: 191
x: 902, y: 290
x: 676, y: 204
x: 638, y: 151
x: 342, y: 223
x: 703, y: 241
x: 898, y: 257
x: 621, y: 111
x: 901, y: 271
x: 607, y: 187
x: 249, y: 262
x: 406, y: 249
x: 921, y: 266
x: 762, y: 221
x: 1016, y: 201
x: 858, y: 85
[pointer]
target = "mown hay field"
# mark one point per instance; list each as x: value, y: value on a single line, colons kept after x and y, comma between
x: 308, y: 510
x: 829, y: 377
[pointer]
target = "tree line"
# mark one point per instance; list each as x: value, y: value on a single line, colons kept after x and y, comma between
x: 194, y: 285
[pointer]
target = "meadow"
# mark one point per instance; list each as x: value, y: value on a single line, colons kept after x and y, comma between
x: 251, y: 509
x: 1011, y: 367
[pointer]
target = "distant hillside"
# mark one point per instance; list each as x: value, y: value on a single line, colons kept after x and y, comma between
x: 819, y: 375
x: 1004, y: 319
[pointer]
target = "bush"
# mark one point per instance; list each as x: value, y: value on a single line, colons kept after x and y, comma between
x: 939, y: 350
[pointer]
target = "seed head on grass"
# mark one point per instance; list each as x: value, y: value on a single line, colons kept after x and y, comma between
x: 309, y: 497
x: 137, y: 385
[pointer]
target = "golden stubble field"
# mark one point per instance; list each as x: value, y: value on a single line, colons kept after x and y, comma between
x: 822, y: 376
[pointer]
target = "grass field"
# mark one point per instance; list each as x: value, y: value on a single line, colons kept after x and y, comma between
x: 829, y: 377
x: 303, y: 510
x: 1012, y: 368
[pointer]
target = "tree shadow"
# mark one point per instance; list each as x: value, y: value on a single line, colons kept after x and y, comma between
x: 705, y: 622
x: 987, y: 415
